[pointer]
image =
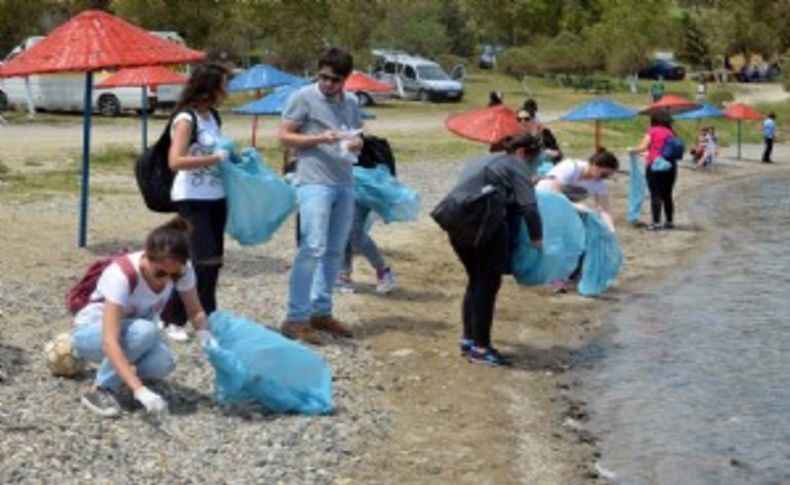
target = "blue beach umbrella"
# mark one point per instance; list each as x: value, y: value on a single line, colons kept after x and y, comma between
x: 704, y: 111
x: 263, y: 76
x: 274, y: 103
x: 598, y: 110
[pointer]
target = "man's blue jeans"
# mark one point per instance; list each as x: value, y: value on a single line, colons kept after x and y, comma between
x: 326, y: 213
x: 141, y: 344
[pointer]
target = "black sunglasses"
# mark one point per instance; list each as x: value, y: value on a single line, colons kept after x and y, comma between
x: 161, y: 274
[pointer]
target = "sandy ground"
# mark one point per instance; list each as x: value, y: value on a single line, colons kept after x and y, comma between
x: 448, y: 420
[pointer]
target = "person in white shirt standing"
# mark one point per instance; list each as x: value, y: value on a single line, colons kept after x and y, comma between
x: 118, y: 327
x: 197, y: 189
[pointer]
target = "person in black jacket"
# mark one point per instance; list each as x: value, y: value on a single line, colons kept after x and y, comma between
x: 488, y: 257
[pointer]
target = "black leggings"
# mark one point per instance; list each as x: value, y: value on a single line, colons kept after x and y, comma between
x: 207, y: 246
x: 484, y: 266
x: 661, y: 185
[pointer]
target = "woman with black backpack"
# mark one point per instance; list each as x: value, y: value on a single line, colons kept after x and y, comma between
x: 481, y: 215
x: 197, y: 188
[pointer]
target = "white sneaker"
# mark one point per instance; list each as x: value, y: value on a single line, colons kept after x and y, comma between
x: 344, y: 283
x: 176, y: 333
x: 386, y: 281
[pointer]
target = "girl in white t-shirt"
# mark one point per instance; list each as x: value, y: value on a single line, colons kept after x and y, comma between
x: 588, y: 175
x: 197, y: 189
x: 118, y: 328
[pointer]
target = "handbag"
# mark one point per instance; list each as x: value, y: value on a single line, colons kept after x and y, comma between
x: 660, y: 164
x: 471, y: 217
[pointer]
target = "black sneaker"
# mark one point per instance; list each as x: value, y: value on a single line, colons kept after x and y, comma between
x: 656, y: 226
x: 488, y: 356
x: 102, y: 402
x: 669, y: 225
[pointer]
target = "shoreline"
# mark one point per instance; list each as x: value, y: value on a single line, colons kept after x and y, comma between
x: 631, y: 287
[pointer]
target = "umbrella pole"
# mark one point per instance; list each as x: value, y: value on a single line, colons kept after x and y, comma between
x: 86, y: 154
x: 144, y: 104
x: 597, y: 134
x: 739, y: 139
x: 255, y: 119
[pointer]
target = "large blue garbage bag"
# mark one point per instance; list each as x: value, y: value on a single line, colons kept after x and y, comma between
x: 636, y: 189
x: 388, y: 197
x: 563, y: 243
x: 259, y: 200
x: 603, y: 256
x: 255, y: 364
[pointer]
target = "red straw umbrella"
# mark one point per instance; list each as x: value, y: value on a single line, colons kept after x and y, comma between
x: 91, y: 41
x: 144, y: 77
x: 359, y: 81
x: 488, y: 125
x: 741, y: 112
x: 671, y: 103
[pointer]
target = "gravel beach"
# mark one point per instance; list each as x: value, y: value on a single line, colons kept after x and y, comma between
x: 408, y: 408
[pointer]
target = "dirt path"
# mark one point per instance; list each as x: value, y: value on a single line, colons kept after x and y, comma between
x: 754, y: 93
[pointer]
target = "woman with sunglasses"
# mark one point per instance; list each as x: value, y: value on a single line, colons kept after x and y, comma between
x: 577, y: 179
x: 118, y: 328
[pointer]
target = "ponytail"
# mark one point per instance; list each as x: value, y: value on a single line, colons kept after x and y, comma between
x: 529, y: 142
x: 169, y: 241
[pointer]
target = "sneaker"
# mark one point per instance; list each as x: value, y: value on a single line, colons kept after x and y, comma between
x: 344, y: 284
x: 559, y: 287
x: 299, y: 330
x: 656, y: 226
x: 486, y: 355
x: 176, y: 333
x: 331, y: 325
x: 386, y: 281
x: 465, y: 344
x: 102, y: 402
x: 669, y: 225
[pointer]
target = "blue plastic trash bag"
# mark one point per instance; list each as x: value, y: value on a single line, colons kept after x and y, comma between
x: 259, y: 200
x: 563, y: 243
x: 253, y: 363
x: 636, y: 189
x: 603, y: 256
x: 388, y: 197
x: 544, y: 165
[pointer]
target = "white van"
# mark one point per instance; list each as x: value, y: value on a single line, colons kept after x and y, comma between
x: 415, y: 77
x: 66, y: 91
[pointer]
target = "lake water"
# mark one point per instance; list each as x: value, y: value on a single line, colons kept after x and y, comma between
x: 692, y: 383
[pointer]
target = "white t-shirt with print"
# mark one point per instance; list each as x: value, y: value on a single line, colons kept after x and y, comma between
x: 200, y: 183
x: 569, y: 172
x: 143, y: 302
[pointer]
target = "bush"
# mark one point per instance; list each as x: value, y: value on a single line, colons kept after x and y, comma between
x: 719, y: 95
x: 566, y: 53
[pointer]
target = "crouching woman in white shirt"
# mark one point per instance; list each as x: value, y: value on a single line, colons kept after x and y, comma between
x: 570, y: 176
x: 118, y: 328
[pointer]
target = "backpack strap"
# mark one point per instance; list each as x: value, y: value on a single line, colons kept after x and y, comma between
x: 128, y: 270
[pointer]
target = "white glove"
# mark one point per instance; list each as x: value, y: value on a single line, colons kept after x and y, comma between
x: 223, y: 153
x: 153, y: 402
x: 206, y: 339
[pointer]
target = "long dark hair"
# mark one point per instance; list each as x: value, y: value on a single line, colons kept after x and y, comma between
x: 205, y: 86
x: 169, y: 241
x: 529, y: 142
x: 661, y: 118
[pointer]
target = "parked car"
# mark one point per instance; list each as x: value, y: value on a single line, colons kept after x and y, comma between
x: 488, y: 56
x: 416, y: 77
x: 668, y: 70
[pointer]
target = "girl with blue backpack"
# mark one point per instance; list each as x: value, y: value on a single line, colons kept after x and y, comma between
x: 660, y: 145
